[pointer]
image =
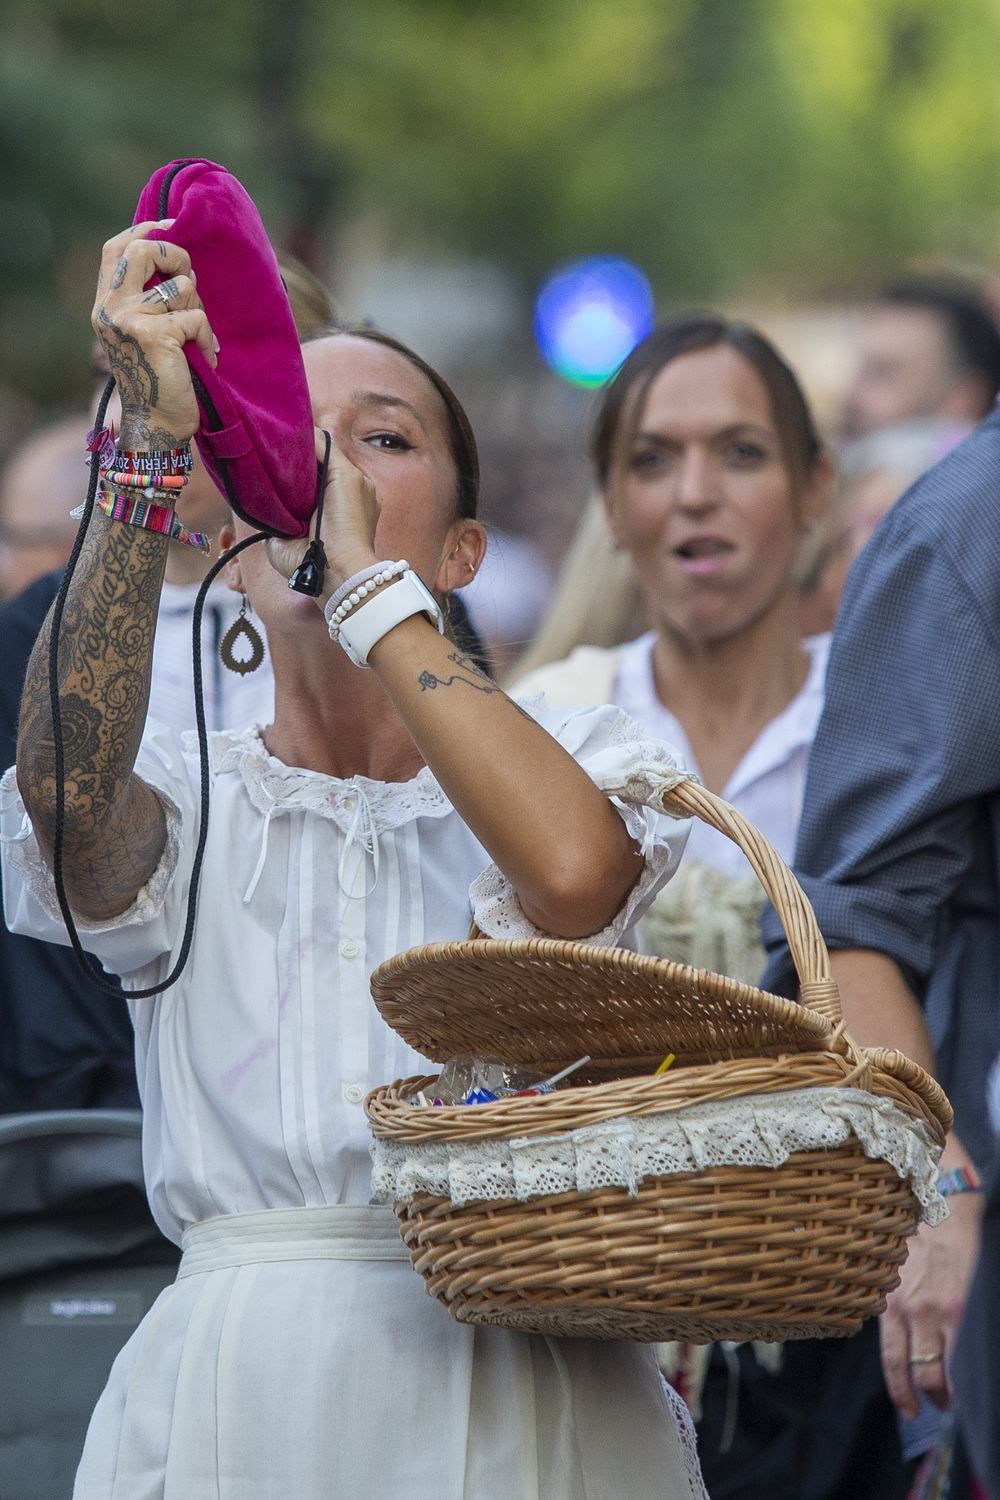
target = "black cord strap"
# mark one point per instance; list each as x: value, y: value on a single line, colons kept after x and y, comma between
x: 308, y: 576
x: 83, y: 958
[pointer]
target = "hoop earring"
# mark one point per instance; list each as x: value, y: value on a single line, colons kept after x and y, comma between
x: 241, y: 626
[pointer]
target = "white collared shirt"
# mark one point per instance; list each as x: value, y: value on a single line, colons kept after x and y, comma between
x: 253, y: 1067
x: 768, y: 784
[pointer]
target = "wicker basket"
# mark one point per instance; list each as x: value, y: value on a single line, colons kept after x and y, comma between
x: 808, y: 1248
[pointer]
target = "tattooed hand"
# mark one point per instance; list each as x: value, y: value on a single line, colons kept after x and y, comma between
x: 144, y: 335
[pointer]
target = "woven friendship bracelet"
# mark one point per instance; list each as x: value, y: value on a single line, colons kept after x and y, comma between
x: 158, y: 461
x: 959, y: 1180
x: 134, y: 511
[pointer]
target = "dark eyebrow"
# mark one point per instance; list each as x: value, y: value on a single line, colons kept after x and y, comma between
x: 737, y: 429
x: 383, y: 398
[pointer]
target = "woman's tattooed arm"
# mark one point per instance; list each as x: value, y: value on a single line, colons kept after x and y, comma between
x: 114, y: 824
x: 115, y: 830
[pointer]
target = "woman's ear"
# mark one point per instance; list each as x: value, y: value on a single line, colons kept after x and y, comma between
x: 820, y: 489
x: 233, y: 571
x: 611, y: 516
x: 464, y: 550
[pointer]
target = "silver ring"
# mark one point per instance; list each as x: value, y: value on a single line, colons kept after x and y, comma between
x: 162, y: 292
x: 926, y: 1359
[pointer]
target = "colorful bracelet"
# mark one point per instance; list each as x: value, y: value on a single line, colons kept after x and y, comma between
x: 157, y: 461
x: 150, y: 517
x: 118, y: 477
x: 959, y: 1180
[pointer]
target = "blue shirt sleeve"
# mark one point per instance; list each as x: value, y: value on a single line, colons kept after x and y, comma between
x: 908, y: 746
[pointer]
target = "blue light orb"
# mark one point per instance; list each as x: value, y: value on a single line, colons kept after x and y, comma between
x: 589, y: 317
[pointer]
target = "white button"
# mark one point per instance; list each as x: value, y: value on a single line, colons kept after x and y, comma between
x: 353, y: 1093
x: 350, y: 948
x: 349, y: 804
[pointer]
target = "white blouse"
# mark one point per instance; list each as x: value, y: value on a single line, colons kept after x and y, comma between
x: 768, y: 784
x: 253, y: 1067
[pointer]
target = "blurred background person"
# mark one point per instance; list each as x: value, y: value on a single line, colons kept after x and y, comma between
x: 711, y: 471
x: 928, y: 347
x: 42, y: 481
x: 872, y: 474
x: 508, y: 597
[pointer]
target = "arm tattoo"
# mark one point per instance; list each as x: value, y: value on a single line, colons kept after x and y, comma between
x: 137, y: 433
x: 472, y: 676
x: 136, y: 379
x: 114, y: 822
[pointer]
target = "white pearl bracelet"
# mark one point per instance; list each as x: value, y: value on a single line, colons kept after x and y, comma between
x: 366, y: 626
x: 365, y: 586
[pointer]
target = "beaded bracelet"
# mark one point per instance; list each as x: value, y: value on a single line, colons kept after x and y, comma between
x: 134, y: 511
x: 959, y: 1180
x: 385, y: 573
x: 351, y: 584
x: 119, y: 478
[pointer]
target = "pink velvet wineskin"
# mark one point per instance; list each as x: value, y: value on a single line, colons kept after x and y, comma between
x: 256, y: 436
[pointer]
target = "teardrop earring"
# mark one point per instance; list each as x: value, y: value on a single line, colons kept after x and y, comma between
x: 241, y: 626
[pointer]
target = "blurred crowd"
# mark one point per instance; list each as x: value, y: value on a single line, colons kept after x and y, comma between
x: 793, y: 579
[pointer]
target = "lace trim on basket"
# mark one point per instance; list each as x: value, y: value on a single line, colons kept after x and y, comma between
x: 760, y: 1131
x: 27, y: 859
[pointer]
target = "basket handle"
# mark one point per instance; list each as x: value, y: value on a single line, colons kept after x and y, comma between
x: 817, y: 987
x: 684, y: 798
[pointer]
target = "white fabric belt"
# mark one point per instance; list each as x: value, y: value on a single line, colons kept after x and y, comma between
x: 339, y: 1232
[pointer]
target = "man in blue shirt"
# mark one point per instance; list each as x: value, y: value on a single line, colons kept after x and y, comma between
x: 899, y: 845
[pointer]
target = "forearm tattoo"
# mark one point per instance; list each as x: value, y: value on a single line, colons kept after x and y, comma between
x: 471, y: 675
x: 114, y: 828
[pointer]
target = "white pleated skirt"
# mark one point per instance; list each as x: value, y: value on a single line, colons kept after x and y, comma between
x: 297, y: 1355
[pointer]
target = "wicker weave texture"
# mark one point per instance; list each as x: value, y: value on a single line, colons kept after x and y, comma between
x: 544, y: 1001
x: 808, y: 1251
x: 393, y: 1117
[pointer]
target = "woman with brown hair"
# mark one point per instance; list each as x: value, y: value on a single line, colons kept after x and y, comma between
x: 710, y: 473
x: 397, y: 793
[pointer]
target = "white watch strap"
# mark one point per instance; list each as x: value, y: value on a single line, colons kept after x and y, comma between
x: 369, y: 622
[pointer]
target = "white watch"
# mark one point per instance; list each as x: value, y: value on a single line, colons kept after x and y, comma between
x: 369, y: 622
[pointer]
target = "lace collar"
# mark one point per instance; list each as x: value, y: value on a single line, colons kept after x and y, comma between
x: 274, y: 788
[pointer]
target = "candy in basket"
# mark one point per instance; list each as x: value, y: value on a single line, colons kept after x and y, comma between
x: 761, y: 1188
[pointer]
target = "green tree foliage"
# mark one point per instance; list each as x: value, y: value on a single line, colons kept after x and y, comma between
x: 725, y: 144
x: 729, y: 146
